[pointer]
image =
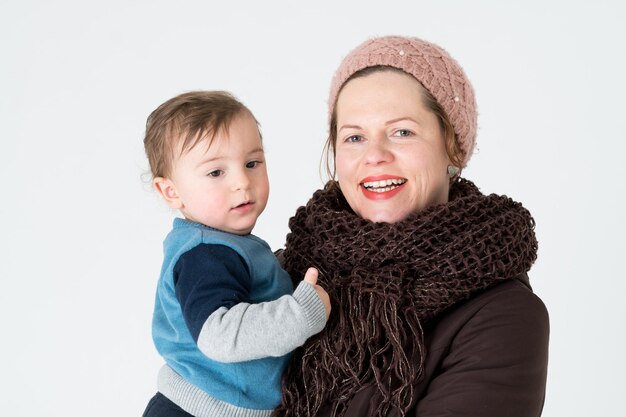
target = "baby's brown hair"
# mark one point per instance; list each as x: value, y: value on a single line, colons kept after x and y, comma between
x: 184, y: 121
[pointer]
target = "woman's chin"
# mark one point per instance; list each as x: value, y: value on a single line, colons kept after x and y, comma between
x: 385, y: 216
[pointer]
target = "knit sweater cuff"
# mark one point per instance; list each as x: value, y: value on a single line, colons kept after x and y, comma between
x: 312, y: 306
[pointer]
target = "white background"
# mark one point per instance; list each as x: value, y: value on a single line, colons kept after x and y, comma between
x: 81, y: 229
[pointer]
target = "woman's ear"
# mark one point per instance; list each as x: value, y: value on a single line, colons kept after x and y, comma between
x: 167, y: 189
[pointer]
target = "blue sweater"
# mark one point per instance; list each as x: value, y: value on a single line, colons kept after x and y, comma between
x: 225, y: 321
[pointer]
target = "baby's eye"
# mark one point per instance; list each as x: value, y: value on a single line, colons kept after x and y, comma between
x: 253, y: 164
x: 403, y: 133
x: 354, y: 139
x: 216, y: 173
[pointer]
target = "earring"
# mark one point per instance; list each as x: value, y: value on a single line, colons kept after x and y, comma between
x: 453, y: 171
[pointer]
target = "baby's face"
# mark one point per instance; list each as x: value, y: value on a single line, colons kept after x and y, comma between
x: 224, y: 185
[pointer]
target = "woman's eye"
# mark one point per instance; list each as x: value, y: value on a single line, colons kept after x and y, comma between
x: 253, y: 164
x: 403, y: 133
x: 354, y: 139
x: 215, y: 173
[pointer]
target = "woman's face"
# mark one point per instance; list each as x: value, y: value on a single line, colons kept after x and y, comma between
x: 391, y: 159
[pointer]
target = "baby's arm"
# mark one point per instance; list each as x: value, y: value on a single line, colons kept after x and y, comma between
x: 213, y: 287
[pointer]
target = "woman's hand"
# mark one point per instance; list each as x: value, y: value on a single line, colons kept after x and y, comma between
x: 311, y: 278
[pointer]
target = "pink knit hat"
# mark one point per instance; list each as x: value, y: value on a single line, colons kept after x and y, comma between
x: 432, y: 66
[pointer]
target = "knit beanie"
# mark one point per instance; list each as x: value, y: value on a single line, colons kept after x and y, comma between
x: 432, y: 66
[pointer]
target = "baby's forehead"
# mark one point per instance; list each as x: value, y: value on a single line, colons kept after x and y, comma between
x: 224, y: 143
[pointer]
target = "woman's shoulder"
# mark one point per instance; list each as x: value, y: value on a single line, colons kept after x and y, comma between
x: 494, y: 344
x: 514, y: 295
x: 508, y: 303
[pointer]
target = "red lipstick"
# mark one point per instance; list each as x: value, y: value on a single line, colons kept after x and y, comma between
x: 381, y: 195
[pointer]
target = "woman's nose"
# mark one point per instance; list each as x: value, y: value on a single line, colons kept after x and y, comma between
x: 378, y: 152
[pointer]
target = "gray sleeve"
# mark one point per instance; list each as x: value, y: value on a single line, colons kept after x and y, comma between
x: 253, y: 331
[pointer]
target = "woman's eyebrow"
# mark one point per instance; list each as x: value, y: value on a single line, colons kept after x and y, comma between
x: 387, y: 123
x: 400, y: 119
x: 350, y: 127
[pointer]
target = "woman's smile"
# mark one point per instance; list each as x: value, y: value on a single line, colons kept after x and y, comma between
x: 391, y: 157
x: 382, y: 187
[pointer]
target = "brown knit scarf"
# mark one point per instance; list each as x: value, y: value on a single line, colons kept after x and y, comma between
x: 385, y: 281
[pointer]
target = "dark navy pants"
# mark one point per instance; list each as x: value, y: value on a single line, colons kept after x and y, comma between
x: 161, y: 406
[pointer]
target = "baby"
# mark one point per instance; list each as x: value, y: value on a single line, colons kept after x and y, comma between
x: 226, y: 315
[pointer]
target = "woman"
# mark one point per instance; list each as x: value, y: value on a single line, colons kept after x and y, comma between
x: 432, y: 310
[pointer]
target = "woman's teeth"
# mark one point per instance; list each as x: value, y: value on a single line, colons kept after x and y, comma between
x: 384, y: 185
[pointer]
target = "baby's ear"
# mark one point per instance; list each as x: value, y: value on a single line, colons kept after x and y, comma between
x: 166, y: 188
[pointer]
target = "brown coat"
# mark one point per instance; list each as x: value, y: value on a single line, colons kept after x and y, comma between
x: 486, y: 357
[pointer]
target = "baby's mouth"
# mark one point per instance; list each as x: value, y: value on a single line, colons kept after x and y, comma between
x: 244, y: 204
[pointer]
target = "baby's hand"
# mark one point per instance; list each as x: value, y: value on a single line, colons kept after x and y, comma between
x: 311, y: 278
